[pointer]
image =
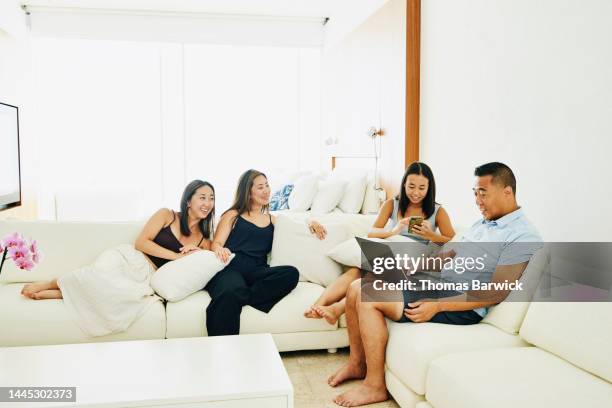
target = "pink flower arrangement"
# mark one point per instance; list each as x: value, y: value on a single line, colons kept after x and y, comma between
x: 24, y: 254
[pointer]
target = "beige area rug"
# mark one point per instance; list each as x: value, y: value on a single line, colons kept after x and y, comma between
x: 309, y: 370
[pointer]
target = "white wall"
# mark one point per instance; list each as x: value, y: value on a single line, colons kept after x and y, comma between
x: 344, y: 19
x: 527, y: 83
x: 364, y: 85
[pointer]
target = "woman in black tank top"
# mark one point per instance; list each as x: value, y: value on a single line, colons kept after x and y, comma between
x: 168, y: 235
x: 246, y: 230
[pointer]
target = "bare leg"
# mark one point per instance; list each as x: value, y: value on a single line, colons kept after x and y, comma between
x: 331, y: 313
x: 374, y: 334
x: 31, y: 288
x: 356, y: 366
x: 334, y: 292
x: 48, y: 294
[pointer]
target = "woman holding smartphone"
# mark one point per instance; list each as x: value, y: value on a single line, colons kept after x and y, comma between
x: 430, y: 222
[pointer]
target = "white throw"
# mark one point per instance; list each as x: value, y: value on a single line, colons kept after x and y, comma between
x: 110, y: 294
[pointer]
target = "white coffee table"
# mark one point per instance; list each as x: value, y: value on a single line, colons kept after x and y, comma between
x: 203, y: 372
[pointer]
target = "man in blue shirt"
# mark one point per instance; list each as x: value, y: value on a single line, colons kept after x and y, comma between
x: 502, y: 231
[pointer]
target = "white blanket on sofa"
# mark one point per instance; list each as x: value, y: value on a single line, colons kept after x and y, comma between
x: 110, y: 294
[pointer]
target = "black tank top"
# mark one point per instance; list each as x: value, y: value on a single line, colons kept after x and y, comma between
x: 166, y: 239
x: 250, y: 243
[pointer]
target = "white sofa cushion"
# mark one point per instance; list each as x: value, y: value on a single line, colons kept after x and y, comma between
x: 510, y: 378
x: 348, y: 253
x: 580, y: 333
x: 329, y: 194
x: 295, y: 245
x: 66, y: 246
x: 413, y: 346
x: 187, y: 318
x: 304, y: 191
x: 26, y: 322
x: 354, y: 193
x: 509, y: 314
x: 178, y: 279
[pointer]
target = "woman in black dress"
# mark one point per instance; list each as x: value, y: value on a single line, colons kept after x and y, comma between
x: 247, y: 230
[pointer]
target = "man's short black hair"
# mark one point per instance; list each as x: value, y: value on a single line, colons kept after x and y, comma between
x: 501, y: 173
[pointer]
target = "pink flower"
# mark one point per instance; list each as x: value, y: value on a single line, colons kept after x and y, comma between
x: 24, y: 263
x: 12, y: 240
x: 36, y: 254
x: 17, y: 252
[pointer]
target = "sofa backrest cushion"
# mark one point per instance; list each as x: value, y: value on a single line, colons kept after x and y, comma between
x: 508, y: 315
x: 580, y: 333
x: 65, y: 246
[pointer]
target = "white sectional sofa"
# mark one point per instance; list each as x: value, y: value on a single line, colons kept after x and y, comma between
x: 69, y: 245
x: 521, y: 355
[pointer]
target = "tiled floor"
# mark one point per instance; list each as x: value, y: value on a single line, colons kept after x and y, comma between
x: 309, y: 370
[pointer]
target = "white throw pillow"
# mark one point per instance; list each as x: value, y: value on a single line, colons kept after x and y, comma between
x: 178, y: 279
x: 354, y: 192
x: 348, y: 252
x: 509, y: 314
x: 294, y: 245
x: 304, y: 191
x: 329, y: 194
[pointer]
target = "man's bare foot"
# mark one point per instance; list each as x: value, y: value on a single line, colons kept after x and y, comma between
x: 311, y: 313
x: 32, y: 288
x: 48, y: 294
x: 329, y: 313
x: 361, y: 395
x: 347, y: 372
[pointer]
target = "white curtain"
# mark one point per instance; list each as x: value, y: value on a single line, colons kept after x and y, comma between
x: 140, y: 120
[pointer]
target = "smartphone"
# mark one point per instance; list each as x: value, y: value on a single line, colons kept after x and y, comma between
x: 414, y: 220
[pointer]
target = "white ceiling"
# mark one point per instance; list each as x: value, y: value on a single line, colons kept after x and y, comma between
x: 293, y: 8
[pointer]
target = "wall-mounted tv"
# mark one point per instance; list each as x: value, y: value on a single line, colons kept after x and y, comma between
x: 10, y: 175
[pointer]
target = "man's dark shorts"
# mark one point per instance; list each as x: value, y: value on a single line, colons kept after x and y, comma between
x: 463, y: 317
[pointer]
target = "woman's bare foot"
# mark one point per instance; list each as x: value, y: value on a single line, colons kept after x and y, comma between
x: 330, y: 313
x: 31, y: 288
x: 347, y: 372
x: 362, y: 395
x: 311, y: 313
x: 48, y: 294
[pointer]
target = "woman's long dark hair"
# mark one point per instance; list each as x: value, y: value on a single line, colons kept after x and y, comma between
x: 429, y: 202
x: 207, y: 224
x: 242, y: 198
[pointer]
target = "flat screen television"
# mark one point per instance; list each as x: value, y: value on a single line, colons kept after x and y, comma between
x: 10, y: 174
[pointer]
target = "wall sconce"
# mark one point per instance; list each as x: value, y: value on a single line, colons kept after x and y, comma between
x: 373, y: 132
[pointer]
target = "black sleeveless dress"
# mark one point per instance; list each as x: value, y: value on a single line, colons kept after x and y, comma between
x: 247, y: 279
x: 166, y: 239
x: 250, y: 243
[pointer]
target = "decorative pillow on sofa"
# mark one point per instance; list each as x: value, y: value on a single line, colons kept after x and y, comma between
x: 180, y: 278
x: 294, y: 245
x: 280, y: 199
x: 354, y: 193
x: 349, y: 253
x: 509, y: 314
x: 304, y: 191
x: 329, y: 194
